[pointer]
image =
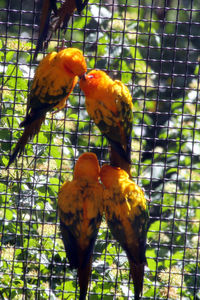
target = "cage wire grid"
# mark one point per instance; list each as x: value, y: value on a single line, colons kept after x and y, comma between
x: 153, y: 47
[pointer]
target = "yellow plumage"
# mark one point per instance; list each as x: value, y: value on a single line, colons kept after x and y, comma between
x: 84, y: 198
x: 56, y: 77
x: 105, y: 96
x: 122, y: 187
x: 127, y: 216
x: 80, y: 208
x: 109, y: 104
x: 53, y: 82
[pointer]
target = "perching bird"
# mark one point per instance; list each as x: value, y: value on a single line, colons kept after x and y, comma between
x: 54, y: 80
x: 127, y: 217
x: 61, y: 19
x: 109, y: 104
x: 80, y: 207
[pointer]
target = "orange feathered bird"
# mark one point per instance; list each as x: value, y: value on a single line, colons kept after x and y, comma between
x: 61, y: 18
x: 109, y: 104
x: 80, y: 208
x: 127, y: 217
x: 54, y: 80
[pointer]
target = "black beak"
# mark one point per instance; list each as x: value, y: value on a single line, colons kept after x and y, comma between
x: 83, y: 77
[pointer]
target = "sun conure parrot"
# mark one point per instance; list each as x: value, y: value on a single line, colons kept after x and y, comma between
x: 80, y: 208
x: 59, y: 20
x: 127, y: 217
x: 54, y: 80
x: 109, y: 104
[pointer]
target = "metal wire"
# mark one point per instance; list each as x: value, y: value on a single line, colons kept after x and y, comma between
x: 153, y: 47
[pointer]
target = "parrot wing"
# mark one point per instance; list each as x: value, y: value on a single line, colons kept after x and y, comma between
x: 125, y: 108
x: 140, y: 227
x: 116, y: 127
x: 70, y: 244
x: 137, y: 258
x: 131, y: 232
x: 49, y: 91
x: 80, y: 210
x: 129, y: 227
x: 80, y: 219
x: 78, y: 256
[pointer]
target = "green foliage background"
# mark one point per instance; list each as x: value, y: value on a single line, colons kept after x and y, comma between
x: 157, y: 56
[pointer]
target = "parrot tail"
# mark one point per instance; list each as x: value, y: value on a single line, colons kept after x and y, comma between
x: 117, y: 161
x: 29, y: 132
x: 47, y: 8
x: 137, y: 273
x: 118, y: 148
x: 84, y: 273
x: 81, y: 5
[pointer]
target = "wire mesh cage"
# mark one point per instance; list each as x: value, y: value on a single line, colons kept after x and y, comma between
x: 152, y: 47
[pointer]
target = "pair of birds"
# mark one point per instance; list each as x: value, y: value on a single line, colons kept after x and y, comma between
x: 109, y: 104
x: 81, y: 204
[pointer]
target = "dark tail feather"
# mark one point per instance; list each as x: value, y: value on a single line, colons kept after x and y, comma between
x: 84, y: 277
x: 29, y: 119
x: 29, y: 132
x: 81, y: 5
x: 128, y: 149
x: 126, y: 155
x: 65, y: 22
x: 137, y: 273
x: 70, y: 242
x: 53, y: 6
x: 116, y: 160
x: 48, y: 6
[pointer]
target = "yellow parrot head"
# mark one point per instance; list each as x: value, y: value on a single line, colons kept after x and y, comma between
x: 87, y: 166
x: 95, y: 82
x: 72, y: 61
x: 112, y: 175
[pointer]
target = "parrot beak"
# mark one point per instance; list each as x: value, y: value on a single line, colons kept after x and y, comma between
x: 83, y: 77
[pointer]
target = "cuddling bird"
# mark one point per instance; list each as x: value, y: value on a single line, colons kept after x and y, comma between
x: 109, y: 104
x: 61, y: 18
x: 80, y: 208
x: 127, y: 217
x: 54, y: 80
